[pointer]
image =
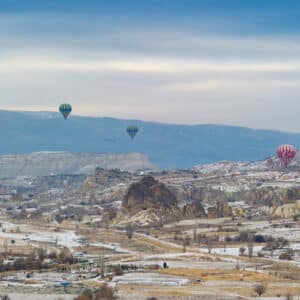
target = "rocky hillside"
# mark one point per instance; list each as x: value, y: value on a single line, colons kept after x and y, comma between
x: 148, y: 194
x: 151, y: 202
x: 224, y: 189
x: 229, y: 167
x: 53, y: 163
x: 284, y: 211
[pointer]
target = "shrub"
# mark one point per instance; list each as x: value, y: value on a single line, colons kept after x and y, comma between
x: 105, y: 293
x: 288, y: 296
x: 85, y: 295
x: 41, y: 254
x: 118, y: 270
x: 129, y: 231
x: 242, y: 250
x: 259, y: 238
x: 260, y: 289
x: 260, y: 254
x: 65, y: 256
x: 287, y: 255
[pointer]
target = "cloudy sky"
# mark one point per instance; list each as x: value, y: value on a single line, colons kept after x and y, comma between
x: 192, y: 62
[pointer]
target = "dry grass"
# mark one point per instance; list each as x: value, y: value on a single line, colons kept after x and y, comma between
x: 245, y: 290
x: 152, y: 291
x: 221, y: 233
x: 227, y: 275
x: 272, y: 291
x: 138, y: 243
x: 285, y: 270
x: 159, y: 245
x: 16, y: 249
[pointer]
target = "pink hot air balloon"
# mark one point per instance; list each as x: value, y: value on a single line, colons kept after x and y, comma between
x: 286, y: 153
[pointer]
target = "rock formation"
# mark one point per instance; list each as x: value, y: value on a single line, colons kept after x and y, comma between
x: 148, y: 194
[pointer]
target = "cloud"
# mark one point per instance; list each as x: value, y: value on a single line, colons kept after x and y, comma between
x: 181, y: 74
x: 141, y: 65
x: 211, y: 85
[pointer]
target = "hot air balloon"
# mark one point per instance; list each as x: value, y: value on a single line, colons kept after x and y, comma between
x: 286, y: 153
x: 65, y: 109
x: 132, y: 130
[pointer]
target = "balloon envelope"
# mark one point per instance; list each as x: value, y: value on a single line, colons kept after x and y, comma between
x: 286, y: 153
x: 65, y: 109
x: 132, y: 130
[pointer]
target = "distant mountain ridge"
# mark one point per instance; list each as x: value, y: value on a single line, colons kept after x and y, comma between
x: 166, y: 145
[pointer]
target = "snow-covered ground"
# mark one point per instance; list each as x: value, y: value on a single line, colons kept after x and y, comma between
x: 170, y: 255
x: 197, y: 221
x: 190, y: 264
x: 28, y: 234
x: 150, y: 279
x: 234, y: 251
x: 111, y: 246
x: 291, y: 234
x: 295, y: 246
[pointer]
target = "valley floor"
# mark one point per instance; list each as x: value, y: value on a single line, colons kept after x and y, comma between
x: 192, y: 272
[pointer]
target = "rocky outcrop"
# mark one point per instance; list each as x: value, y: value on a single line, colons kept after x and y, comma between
x: 284, y: 211
x: 272, y: 196
x: 110, y: 177
x: 194, y: 210
x: 257, y: 196
x: 148, y: 194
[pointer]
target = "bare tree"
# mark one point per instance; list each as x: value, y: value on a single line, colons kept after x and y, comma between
x: 224, y: 245
x: 242, y: 250
x: 85, y: 295
x: 105, y: 293
x: 118, y: 270
x: 129, y: 231
x: 260, y: 289
x: 250, y: 249
x: 5, y: 247
x: 288, y: 296
x: 287, y: 255
x: 102, y: 267
x: 41, y: 254
x: 195, y: 235
x: 106, y: 220
x: 66, y: 256
x: 209, y: 244
x: 161, y: 221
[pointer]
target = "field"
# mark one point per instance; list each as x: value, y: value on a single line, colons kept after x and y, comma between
x: 192, y: 272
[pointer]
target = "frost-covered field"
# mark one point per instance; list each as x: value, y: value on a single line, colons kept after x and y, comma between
x: 234, y: 251
x: 198, y: 221
x: 190, y: 264
x: 150, y: 279
x: 111, y: 246
x: 25, y: 233
x: 291, y: 234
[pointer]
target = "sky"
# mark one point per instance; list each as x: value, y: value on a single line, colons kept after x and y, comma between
x: 234, y: 62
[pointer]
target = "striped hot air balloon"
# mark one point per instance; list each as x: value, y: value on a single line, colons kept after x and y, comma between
x: 132, y: 130
x: 65, y: 109
x: 286, y: 153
